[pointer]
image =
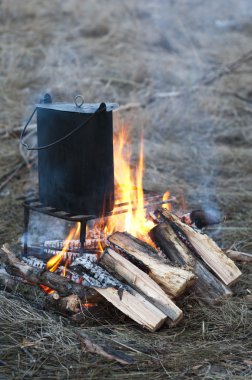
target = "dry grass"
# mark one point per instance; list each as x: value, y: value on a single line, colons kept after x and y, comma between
x: 198, y: 145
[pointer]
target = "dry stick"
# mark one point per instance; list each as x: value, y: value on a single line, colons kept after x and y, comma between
x: 124, y: 298
x: 88, y: 345
x: 172, y: 280
x: 239, y: 256
x: 210, y: 77
x: 11, y: 174
x: 207, y: 249
x: 142, y: 282
x: 227, y: 69
x: 209, y: 288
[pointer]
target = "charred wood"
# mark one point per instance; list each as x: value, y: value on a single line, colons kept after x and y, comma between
x: 125, y: 299
x: 38, y: 276
x: 201, y: 218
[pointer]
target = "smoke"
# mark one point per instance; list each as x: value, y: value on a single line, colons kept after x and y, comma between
x: 147, y: 52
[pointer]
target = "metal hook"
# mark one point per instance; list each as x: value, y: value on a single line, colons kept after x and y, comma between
x: 79, y: 101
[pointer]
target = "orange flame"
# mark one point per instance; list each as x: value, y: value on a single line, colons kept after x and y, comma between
x: 128, y: 191
x: 166, y: 196
x: 56, y: 260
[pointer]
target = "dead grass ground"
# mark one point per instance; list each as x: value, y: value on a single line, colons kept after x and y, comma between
x: 197, y: 144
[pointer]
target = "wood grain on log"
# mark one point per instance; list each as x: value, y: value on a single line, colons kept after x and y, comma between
x: 128, y: 301
x: 142, y: 282
x: 208, y: 250
x: 173, y: 280
x: 209, y: 288
x: 135, y: 306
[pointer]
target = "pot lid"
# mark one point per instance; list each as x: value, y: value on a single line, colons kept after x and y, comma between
x: 78, y: 106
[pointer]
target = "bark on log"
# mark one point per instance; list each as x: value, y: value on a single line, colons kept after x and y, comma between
x: 209, y: 288
x: 38, y: 276
x: 173, y: 280
x: 128, y: 301
x: 142, y: 282
x: 208, y: 250
x: 9, y: 282
x: 239, y: 256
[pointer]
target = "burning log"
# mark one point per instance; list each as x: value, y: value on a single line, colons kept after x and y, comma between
x: 103, y: 277
x: 207, y: 249
x: 209, y: 288
x: 142, y: 282
x: 239, y: 256
x: 125, y: 299
x: 173, y: 280
x: 74, y: 245
x: 38, y: 276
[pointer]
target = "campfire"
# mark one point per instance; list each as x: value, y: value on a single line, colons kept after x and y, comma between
x: 131, y: 249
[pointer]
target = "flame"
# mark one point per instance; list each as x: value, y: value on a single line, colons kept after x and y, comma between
x: 128, y: 190
x: 56, y: 260
x: 128, y: 193
x: 166, y: 196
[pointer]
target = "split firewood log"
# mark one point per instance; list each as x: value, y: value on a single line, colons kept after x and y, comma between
x: 173, y: 280
x: 206, y: 286
x: 118, y: 265
x: 125, y: 298
x: 206, y: 248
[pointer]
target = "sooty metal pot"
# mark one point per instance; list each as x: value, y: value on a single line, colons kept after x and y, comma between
x: 75, y: 156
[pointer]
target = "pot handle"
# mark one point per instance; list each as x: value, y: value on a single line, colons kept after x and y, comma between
x: 101, y: 108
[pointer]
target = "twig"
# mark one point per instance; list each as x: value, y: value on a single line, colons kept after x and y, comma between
x: 11, y: 174
x: 227, y: 69
x: 210, y: 78
x: 88, y: 345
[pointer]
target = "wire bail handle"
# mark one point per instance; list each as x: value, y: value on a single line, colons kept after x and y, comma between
x: 79, y: 101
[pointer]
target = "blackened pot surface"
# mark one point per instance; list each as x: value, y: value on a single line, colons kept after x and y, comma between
x: 77, y: 174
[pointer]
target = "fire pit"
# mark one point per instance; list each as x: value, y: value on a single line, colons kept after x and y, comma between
x: 125, y: 245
